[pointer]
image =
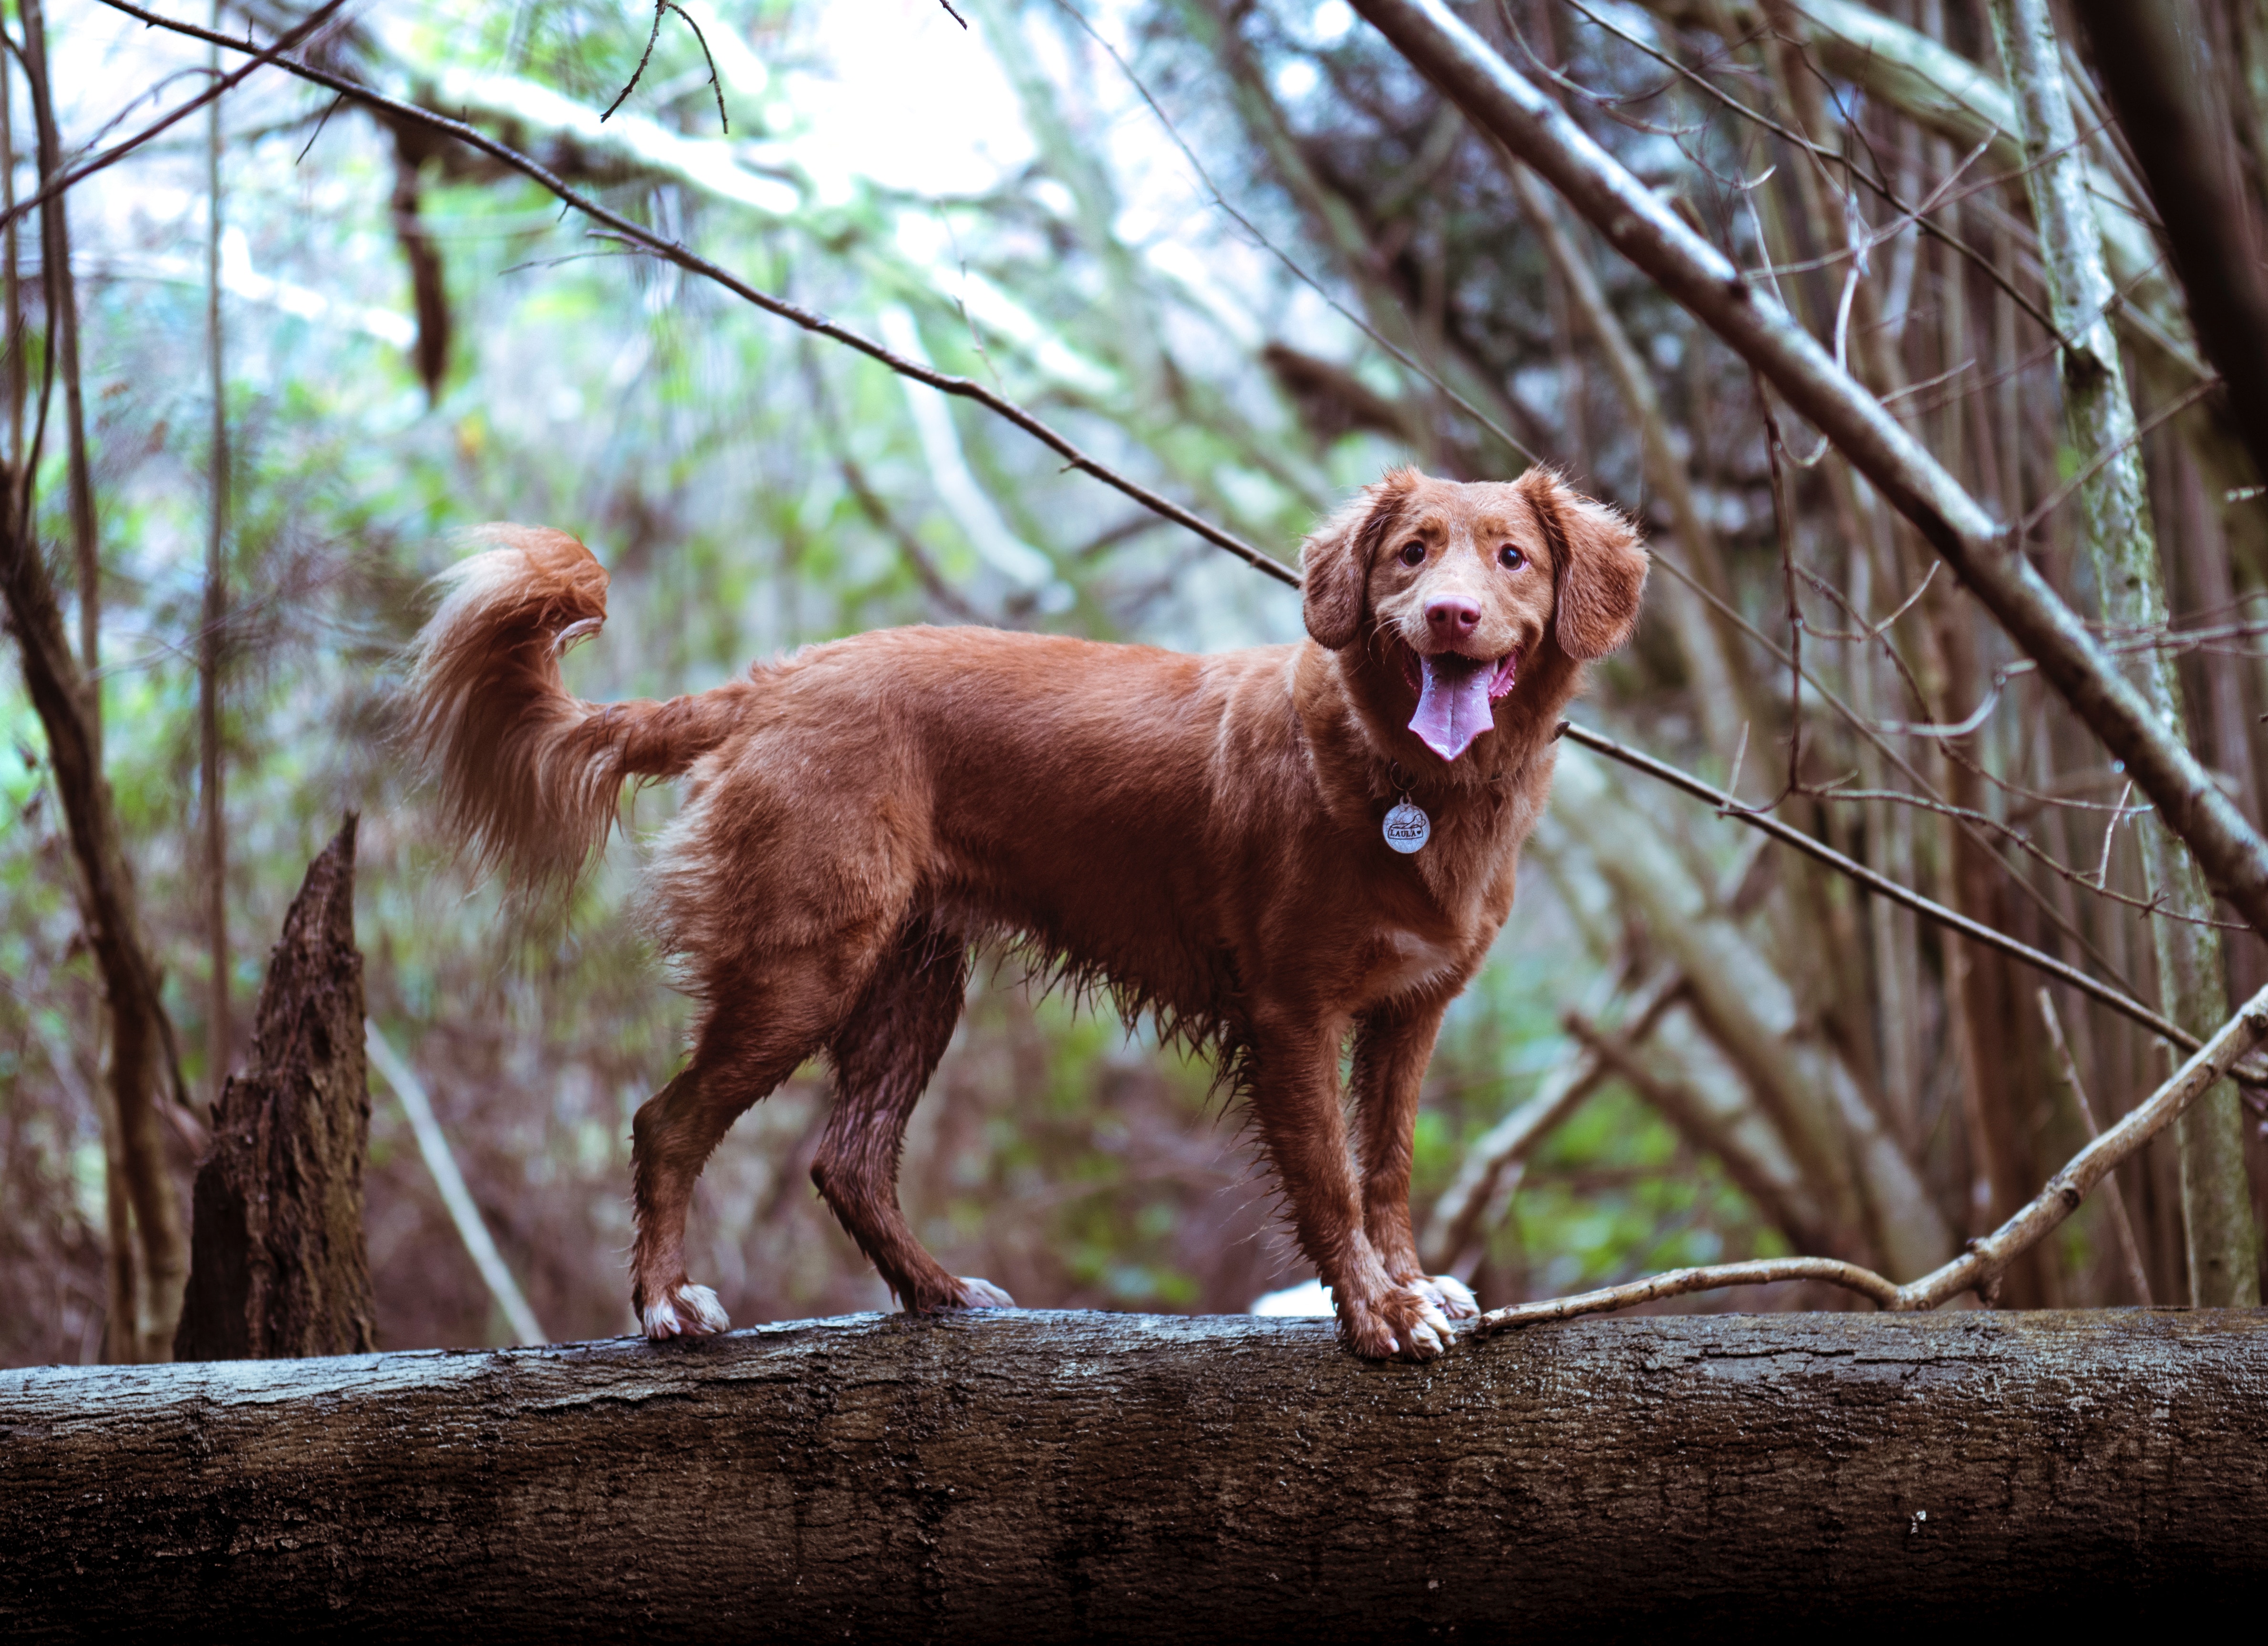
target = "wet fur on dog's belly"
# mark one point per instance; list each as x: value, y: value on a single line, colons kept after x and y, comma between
x: 1188, y: 985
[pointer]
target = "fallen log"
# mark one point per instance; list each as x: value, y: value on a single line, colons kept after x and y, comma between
x: 1112, y: 1477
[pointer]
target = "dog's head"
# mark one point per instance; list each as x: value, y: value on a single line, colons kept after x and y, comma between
x: 1467, y: 586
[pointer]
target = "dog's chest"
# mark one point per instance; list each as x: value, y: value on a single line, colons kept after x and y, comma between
x: 1400, y: 960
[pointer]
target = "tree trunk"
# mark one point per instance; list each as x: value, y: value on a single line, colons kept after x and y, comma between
x: 143, y: 1070
x: 62, y: 310
x: 278, y: 1266
x: 1083, y: 1476
x: 210, y: 653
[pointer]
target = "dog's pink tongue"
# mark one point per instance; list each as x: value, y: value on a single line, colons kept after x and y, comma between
x: 1452, y: 704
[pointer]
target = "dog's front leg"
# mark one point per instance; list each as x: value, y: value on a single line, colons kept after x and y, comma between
x: 1295, y: 1099
x: 1392, y: 1047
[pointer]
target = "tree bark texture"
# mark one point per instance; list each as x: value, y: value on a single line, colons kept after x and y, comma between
x: 1033, y: 1476
x: 278, y: 1265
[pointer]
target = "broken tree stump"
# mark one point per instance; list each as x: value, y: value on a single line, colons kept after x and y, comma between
x: 278, y: 1265
x: 1005, y: 1475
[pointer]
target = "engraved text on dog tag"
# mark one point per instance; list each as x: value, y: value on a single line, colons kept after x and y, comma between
x: 1408, y: 827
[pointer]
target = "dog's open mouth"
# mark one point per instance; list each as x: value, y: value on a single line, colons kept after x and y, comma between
x: 1455, y: 697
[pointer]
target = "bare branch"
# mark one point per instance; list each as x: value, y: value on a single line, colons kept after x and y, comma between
x: 2113, y: 453
x: 637, y: 73
x: 2212, y: 1063
x: 1867, y: 729
x: 1979, y: 1266
x: 1680, y: 1282
x: 659, y: 9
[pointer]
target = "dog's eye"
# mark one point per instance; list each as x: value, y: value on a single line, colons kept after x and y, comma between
x: 1413, y: 554
x: 1511, y: 558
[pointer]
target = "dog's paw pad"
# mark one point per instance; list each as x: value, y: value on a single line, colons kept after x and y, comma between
x: 685, y: 1311
x: 1451, y: 1295
x: 983, y: 1294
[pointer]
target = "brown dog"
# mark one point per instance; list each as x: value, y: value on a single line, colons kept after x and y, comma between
x: 1204, y: 837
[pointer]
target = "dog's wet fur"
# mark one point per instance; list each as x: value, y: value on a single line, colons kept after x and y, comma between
x: 1200, y: 836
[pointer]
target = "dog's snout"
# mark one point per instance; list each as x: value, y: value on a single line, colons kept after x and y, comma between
x: 1452, y: 616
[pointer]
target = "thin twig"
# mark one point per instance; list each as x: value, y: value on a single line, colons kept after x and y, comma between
x: 645, y: 57
x: 1871, y: 632
x: 1679, y: 1282
x: 2154, y: 907
x: 1890, y: 751
x: 2118, y: 815
x: 319, y: 124
x: 715, y: 85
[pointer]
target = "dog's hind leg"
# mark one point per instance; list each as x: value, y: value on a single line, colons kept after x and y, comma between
x: 758, y: 1031
x: 883, y: 1055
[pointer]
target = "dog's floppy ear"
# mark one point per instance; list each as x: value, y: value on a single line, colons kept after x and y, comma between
x: 1334, y: 561
x: 1601, y: 571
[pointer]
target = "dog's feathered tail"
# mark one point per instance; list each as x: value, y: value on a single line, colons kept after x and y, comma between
x: 530, y: 777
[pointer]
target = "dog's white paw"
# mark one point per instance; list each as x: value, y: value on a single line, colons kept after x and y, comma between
x: 1448, y: 1294
x: 1430, y: 1334
x: 983, y: 1294
x: 688, y: 1311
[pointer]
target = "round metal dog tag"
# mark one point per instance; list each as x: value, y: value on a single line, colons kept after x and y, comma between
x: 1408, y: 827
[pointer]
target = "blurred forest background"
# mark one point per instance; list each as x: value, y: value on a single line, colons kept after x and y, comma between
x: 1244, y: 253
